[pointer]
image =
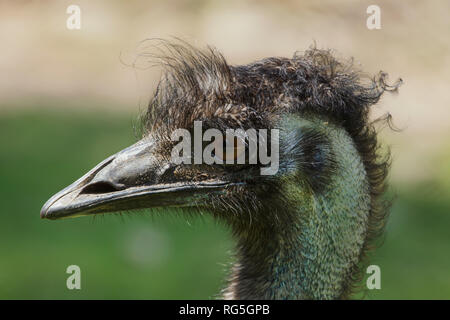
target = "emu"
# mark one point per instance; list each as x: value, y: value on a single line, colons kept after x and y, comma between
x: 302, y: 233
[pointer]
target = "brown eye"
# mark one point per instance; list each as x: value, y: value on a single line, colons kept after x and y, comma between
x: 230, y: 150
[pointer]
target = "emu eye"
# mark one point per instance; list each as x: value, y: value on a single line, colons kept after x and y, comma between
x: 230, y: 149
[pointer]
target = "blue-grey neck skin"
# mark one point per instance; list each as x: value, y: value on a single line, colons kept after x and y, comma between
x: 312, y: 257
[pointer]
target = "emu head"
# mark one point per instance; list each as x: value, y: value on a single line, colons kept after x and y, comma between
x: 329, y: 175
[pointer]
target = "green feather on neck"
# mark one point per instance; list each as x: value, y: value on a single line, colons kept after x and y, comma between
x: 317, y: 252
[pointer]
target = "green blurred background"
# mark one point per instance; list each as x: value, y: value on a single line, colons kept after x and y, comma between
x: 68, y: 100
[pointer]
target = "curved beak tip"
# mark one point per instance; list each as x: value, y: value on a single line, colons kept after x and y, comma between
x: 44, y: 213
x: 44, y: 209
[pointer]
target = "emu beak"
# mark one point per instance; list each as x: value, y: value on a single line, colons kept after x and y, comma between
x: 127, y: 180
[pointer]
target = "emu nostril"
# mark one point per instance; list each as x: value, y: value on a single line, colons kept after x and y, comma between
x: 101, y: 187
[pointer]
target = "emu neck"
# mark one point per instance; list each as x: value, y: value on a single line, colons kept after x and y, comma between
x: 310, y: 259
x: 313, y: 255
